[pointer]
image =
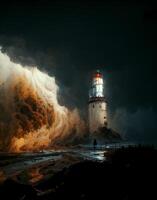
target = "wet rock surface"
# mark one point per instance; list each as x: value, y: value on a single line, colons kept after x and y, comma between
x: 129, y: 173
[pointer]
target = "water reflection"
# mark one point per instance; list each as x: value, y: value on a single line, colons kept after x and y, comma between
x: 35, y: 175
x: 2, y: 176
x: 96, y: 155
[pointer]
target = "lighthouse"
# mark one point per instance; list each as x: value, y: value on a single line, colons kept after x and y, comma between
x: 97, y: 112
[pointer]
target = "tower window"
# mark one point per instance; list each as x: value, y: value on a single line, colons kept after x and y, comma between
x: 93, y: 105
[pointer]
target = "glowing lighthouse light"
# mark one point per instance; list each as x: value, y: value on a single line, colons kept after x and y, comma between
x: 97, y: 85
x: 97, y: 114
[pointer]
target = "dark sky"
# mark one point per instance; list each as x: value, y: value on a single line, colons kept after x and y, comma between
x: 71, y: 39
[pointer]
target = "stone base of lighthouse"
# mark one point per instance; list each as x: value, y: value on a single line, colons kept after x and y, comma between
x: 97, y: 115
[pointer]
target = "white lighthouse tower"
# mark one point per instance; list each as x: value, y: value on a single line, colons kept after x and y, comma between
x: 97, y: 114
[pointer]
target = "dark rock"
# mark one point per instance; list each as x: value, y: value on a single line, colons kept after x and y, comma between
x: 105, y: 134
x: 125, y: 177
x: 11, y: 189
